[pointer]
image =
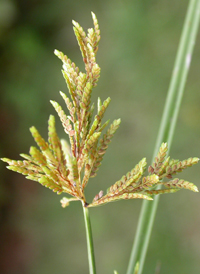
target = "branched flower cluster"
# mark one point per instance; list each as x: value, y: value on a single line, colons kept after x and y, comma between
x: 67, y: 168
x: 135, y: 185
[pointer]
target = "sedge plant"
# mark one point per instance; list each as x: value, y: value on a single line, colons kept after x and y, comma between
x: 65, y: 166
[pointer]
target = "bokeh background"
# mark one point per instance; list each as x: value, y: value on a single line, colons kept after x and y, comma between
x: 136, y: 55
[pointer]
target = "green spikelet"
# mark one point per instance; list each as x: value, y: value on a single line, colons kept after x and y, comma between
x: 126, y: 196
x: 102, y: 109
x: 24, y: 167
x: 50, y: 173
x: 95, y: 74
x: 38, y: 139
x: 87, y: 172
x: 14, y: 162
x: 101, y: 128
x: 70, y: 106
x: 49, y: 183
x: 91, y: 143
x: 37, y: 156
x: 71, y: 87
x: 65, y: 121
x: 44, y: 148
x: 163, y: 167
x: 161, y: 191
x: 74, y: 174
x: 98, y: 118
x: 90, y: 152
x: 104, y: 145
x: 162, y: 153
x: 179, y: 166
x: 27, y: 157
x: 86, y: 96
x: 66, y: 148
x: 70, y: 71
x: 131, y: 178
x: 149, y: 181
x: 81, y: 82
x: 159, y: 159
x: 97, y: 37
x: 171, y: 167
x: 73, y: 168
x: 82, y: 39
x: 91, y: 59
x: 179, y: 183
x: 54, y: 141
x: 21, y: 170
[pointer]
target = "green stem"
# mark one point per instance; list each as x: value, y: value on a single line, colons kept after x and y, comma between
x: 167, y: 128
x: 90, y: 248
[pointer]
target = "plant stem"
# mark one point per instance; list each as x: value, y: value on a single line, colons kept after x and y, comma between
x: 167, y: 128
x: 90, y: 247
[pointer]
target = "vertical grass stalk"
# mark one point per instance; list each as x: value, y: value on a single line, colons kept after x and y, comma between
x: 167, y: 128
x: 90, y: 247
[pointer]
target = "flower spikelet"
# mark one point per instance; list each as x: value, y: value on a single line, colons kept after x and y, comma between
x: 94, y: 34
x: 65, y: 121
x: 159, y: 159
x: 81, y: 82
x: 70, y: 107
x: 179, y: 183
x: 104, y: 145
x: 82, y: 39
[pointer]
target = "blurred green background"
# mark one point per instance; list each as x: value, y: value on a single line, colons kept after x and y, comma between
x: 136, y: 55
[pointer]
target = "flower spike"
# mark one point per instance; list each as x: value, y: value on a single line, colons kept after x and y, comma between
x: 64, y: 166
